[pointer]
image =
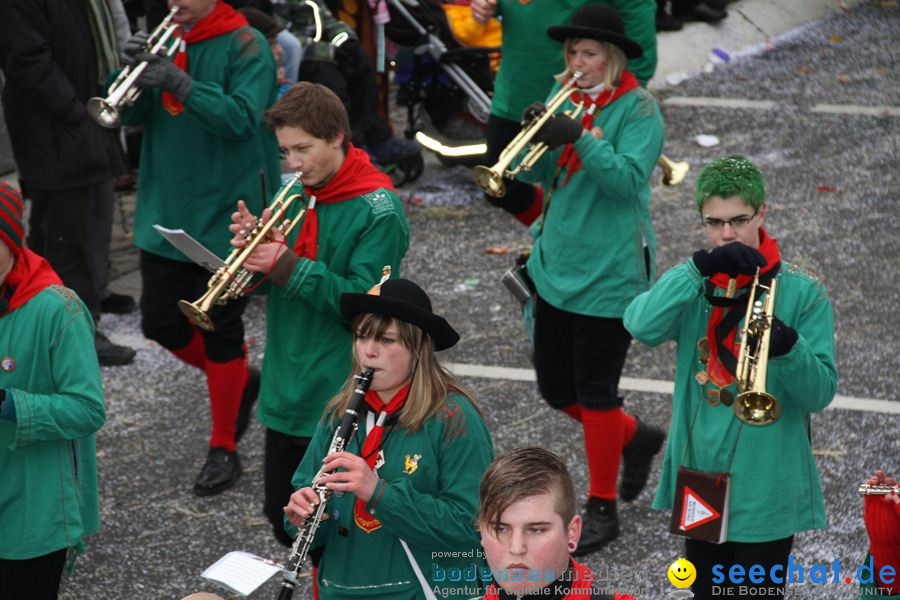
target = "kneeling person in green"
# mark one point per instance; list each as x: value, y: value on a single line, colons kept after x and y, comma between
x: 51, y: 403
x: 701, y: 303
x: 353, y: 226
x: 402, y: 515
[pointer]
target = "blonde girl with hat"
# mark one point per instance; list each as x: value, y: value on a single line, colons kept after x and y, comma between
x: 594, y: 252
x: 402, y: 516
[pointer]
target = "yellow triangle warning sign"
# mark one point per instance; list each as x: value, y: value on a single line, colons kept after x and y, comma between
x: 695, y: 511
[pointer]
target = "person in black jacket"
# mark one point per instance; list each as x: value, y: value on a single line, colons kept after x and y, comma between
x: 55, y: 55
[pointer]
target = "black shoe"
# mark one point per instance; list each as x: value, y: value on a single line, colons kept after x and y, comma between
x: 248, y: 399
x: 664, y: 19
x: 702, y: 12
x: 638, y: 457
x: 220, y: 472
x: 110, y: 354
x: 599, y: 527
x: 119, y: 304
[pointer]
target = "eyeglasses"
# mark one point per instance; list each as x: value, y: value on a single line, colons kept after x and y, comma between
x: 738, y: 222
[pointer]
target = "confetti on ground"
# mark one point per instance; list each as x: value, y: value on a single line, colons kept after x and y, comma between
x: 497, y: 250
x: 826, y: 188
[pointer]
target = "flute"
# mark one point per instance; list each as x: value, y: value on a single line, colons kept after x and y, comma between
x: 869, y: 490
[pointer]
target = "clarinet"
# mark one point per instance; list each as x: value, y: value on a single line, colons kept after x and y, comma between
x: 342, y: 436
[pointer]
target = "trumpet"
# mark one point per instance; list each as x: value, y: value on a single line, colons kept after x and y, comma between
x: 342, y: 436
x: 123, y: 91
x: 673, y: 172
x: 490, y: 179
x: 753, y: 405
x: 230, y: 281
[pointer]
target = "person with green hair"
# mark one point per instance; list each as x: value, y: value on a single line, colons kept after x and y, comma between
x: 701, y: 303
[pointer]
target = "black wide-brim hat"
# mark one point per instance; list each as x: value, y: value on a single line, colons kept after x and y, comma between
x: 597, y: 22
x: 403, y: 300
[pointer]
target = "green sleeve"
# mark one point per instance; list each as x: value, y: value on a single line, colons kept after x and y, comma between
x: 234, y: 111
x: 384, y: 242
x: 622, y: 170
x: 77, y: 409
x: 307, y: 469
x: 447, y: 519
x: 654, y: 316
x: 808, y: 372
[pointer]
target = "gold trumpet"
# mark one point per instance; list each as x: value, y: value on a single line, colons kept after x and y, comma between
x: 490, y: 179
x: 124, y: 91
x: 753, y: 405
x: 673, y: 172
x: 230, y: 281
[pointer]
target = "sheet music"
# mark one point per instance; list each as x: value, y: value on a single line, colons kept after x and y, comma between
x: 241, y: 572
x: 191, y: 248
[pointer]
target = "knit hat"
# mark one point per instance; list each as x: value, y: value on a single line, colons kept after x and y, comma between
x: 12, y: 229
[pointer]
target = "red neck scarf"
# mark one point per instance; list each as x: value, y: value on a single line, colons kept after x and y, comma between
x: 223, y: 19
x: 356, y: 176
x: 372, y: 445
x: 569, y: 157
x: 721, y: 330
x: 29, y: 276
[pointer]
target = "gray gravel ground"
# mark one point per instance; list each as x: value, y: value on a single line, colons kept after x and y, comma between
x: 158, y: 537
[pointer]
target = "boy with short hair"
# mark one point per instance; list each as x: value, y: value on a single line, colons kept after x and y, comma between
x: 701, y: 303
x: 529, y: 528
x: 354, y: 225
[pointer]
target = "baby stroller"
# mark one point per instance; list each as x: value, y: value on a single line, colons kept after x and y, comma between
x: 444, y: 85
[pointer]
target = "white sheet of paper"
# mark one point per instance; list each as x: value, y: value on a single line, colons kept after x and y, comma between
x: 241, y: 572
x: 191, y: 248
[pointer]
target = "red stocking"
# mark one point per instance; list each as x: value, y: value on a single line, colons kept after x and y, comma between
x: 604, y: 433
x: 226, y: 383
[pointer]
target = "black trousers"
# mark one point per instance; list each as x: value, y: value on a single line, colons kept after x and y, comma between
x: 35, y: 578
x: 167, y: 281
x: 578, y: 358
x: 704, y: 556
x: 71, y: 229
x: 519, y: 196
x: 283, y: 455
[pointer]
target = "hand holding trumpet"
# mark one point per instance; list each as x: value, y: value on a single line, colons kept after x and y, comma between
x: 266, y: 254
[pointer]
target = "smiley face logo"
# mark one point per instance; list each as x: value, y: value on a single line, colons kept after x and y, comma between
x: 682, y: 573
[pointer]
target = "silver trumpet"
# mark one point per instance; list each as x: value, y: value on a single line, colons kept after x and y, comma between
x: 307, y: 534
x: 123, y: 92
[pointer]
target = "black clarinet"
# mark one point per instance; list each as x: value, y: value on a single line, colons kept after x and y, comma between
x: 345, y: 431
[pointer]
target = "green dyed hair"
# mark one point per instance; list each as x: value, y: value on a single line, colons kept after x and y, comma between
x: 731, y: 176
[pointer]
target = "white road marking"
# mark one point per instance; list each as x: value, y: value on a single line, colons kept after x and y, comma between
x: 657, y: 386
x: 856, y: 109
x: 710, y: 102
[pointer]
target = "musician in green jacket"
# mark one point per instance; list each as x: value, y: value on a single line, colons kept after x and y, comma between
x: 775, y: 489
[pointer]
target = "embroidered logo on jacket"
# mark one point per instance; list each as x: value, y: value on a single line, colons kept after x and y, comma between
x: 8, y: 364
x: 411, y: 464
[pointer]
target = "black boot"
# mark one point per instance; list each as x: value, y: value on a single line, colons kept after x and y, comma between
x: 248, y: 399
x: 110, y: 354
x: 600, y: 526
x: 664, y: 19
x: 638, y: 457
x: 220, y: 472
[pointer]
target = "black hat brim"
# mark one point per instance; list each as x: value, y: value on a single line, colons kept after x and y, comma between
x: 441, y: 332
x: 561, y: 33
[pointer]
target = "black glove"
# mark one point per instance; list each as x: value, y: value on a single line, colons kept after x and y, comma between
x: 134, y: 46
x: 533, y: 111
x: 559, y: 130
x: 162, y: 73
x: 782, y: 338
x: 734, y: 259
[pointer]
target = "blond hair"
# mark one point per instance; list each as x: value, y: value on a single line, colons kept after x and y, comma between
x: 615, y: 63
x: 430, y: 381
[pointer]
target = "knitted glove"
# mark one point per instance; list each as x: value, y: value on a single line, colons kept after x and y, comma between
x: 533, y: 111
x: 162, y: 73
x: 734, y: 259
x: 558, y: 131
x: 134, y: 46
x: 782, y: 338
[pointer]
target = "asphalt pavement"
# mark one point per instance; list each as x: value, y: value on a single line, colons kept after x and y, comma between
x: 815, y: 108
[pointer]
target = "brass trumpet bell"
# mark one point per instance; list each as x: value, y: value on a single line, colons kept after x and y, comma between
x: 754, y: 405
x: 757, y: 408
x: 673, y: 172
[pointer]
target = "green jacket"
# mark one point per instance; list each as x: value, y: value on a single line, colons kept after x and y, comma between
x: 308, y: 343
x: 775, y: 488
x: 531, y: 58
x: 197, y: 165
x: 597, y: 249
x: 427, y: 496
x: 48, y: 498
